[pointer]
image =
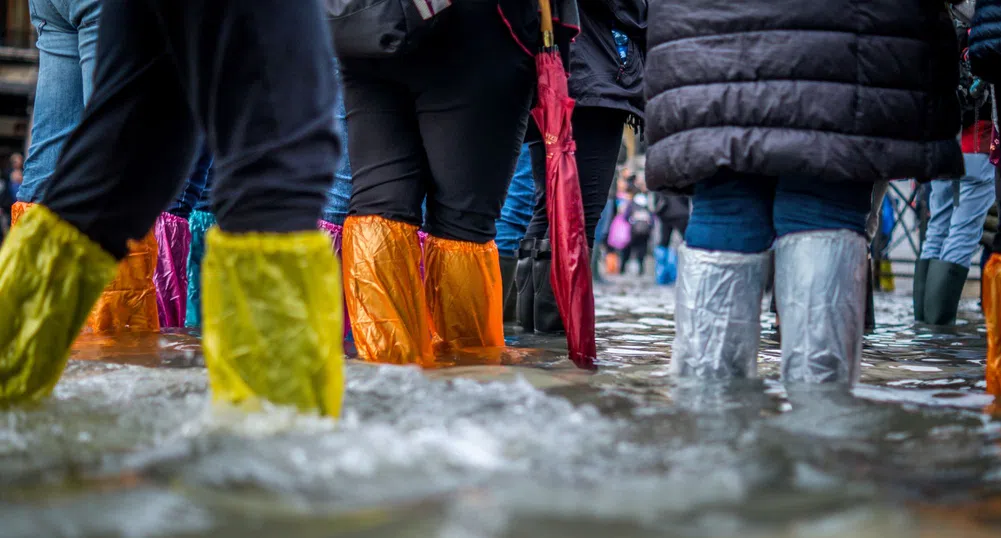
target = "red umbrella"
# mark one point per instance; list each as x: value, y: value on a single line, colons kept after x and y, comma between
x: 571, y: 258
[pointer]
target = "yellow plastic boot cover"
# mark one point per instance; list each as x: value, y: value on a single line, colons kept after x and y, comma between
x: 464, y: 294
x: 271, y: 307
x: 129, y: 302
x: 385, y: 297
x: 992, y: 313
x: 50, y: 277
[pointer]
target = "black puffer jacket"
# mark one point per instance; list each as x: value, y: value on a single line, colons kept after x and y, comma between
x: 985, y: 41
x: 859, y: 90
x: 598, y: 77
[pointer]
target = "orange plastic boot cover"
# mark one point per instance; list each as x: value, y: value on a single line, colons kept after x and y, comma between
x: 383, y: 287
x: 129, y: 302
x: 992, y: 312
x: 464, y: 293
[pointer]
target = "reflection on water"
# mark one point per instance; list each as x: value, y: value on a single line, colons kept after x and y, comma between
x: 517, y: 442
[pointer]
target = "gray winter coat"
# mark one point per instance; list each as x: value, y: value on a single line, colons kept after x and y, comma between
x: 833, y: 90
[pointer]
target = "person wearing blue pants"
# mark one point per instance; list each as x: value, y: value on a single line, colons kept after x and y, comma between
x: 780, y: 146
x: 954, y: 232
x: 512, y: 225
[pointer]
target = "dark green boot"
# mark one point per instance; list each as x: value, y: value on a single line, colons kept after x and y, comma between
x: 524, y: 286
x: 508, y: 265
x: 943, y: 290
x: 920, y: 277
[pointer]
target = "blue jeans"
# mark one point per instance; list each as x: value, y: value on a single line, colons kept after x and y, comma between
x: 339, y: 196
x: 517, y: 210
x: 67, y: 46
x: 195, y: 194
x: 954, y: 230
x: 746, y: 213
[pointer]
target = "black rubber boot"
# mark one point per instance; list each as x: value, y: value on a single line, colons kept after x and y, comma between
x: 943, y: 290
x: 508, y: 265
x: 870, y: 300
x: 524, y: 286
x: 920, y: 277
x: 547, y: 314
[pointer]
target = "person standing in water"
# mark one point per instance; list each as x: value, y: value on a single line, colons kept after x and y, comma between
x: 780, y: 115
x: 255, y: 80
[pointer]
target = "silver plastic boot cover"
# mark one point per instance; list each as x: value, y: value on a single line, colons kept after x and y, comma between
x: 820, y: 287
x: 718, y: 313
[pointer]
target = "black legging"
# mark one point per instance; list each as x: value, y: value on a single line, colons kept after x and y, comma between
x: 255, y: 79
x: 444, y: 122
x: 598, y: 134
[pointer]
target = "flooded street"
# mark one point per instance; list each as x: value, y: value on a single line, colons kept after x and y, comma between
x: 522, y: 446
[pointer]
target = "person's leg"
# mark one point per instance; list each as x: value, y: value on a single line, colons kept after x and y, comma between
x: 339, y: 196
x: 721, y: 277
x: 512, y: 227
x: 137, y: 125
x: 488, y: 102
x: 947, y: 275
x: 194, y: 186
x: 59, y: 95
x: 624, y: 257
x: 538, y: 228
x: 270, y: 280
x: 598, y: 135
x: 173, y: 239
x: 382, y: 256
x: 940, y: 207
x: 640, y: 249
x: 517, y: 210
x: 821, y: 274
x: 940, y: 204
x: 966, y: 225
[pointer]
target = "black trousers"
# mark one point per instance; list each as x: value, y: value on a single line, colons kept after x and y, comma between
x: 598, y: 134
x: 443, y: 123
x: 254, y: 78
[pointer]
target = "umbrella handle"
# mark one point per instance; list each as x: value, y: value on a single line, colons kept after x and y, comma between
x: 546, y: 14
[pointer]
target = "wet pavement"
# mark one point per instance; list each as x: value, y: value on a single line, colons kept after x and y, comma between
x: 519, y: 443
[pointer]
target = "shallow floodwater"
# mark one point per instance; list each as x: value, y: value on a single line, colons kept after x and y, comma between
x: 524, y: 445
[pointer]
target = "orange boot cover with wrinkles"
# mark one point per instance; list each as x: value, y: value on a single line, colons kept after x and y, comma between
x: 129, y: 302
x: 464, y: 294
x: 382, y: 284
x: 992, y: 312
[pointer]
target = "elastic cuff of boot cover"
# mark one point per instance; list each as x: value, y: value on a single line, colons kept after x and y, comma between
x: 267, y: 242
x: 334, y: 231
x: 201, y: 221
x: 464, y: 293
x: 272, y: 314
x: 17, y: 211
x: 385, y: 291
x: 173, y: 239
x: 50, y: 276
x: 129, y: 302
x: 718, y: 313
x: 820, y: 282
